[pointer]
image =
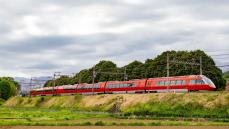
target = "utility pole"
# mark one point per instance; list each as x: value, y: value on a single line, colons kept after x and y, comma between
x: 79, y: 78
x: 201, y: 70
x: 30, y: 86
x: 93, y: 75
x: 93, y: 79
x: 167, y: 64
x: 125, y: 75
x: 54, y: 81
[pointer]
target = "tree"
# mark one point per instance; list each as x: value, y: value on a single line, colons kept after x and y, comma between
x: 105, y: 71
x: 134, y: 70
x: 7, y: 88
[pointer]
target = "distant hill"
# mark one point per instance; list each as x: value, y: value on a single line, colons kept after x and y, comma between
x: 26, y: 84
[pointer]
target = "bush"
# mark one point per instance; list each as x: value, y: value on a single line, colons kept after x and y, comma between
x: 86, y: 123
x: 99, y: 123
x: 7, y: 88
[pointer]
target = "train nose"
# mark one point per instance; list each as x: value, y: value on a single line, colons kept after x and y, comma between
x: 213, y: 86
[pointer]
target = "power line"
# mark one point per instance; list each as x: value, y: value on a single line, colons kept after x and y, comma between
x: 220, y: 55
x: 219, y: 50
x: 217, y: 58
x: 223, y: 66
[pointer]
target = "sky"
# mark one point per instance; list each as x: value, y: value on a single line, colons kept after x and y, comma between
x: 40, y: 37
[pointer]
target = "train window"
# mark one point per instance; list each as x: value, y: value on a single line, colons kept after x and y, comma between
x: 133, y: 84
x: 97, y: 86
x: 199, y: 82
x: 192, y: 82
x: 162, y: 83
x: 167, y: 83
x: 183, y: 82
x: 69, y: 89
x: 158, y: 83
x: 127, y: 85
x: 113, y: 86
x: 49, y: 90
x: 121, y: 85
x: 179, y: 82
x: 172, y: 82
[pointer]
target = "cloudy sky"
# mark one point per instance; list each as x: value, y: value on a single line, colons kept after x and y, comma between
x: 39, y: 37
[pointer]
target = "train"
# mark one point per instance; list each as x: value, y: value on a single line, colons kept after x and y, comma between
x: 187, y: 83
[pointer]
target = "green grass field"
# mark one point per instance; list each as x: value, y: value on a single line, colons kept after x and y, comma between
x: 68, y: 117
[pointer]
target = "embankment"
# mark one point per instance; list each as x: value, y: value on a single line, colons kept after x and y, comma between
x: 205, y: 105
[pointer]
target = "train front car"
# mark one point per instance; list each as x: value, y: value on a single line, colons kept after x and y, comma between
x: 167, y: 84
x: 179, y: 84
x: 200, y: 83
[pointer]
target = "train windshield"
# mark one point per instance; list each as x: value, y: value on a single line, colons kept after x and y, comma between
x: 208, y: 81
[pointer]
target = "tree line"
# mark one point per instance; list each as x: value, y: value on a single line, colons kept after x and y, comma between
x: 108, y: 70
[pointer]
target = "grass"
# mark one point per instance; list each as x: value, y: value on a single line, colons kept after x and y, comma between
x: 1, y: 101
x: 139, y: 109
x: 46, y: 114
x: 64, y: 117
x: 190, y: 105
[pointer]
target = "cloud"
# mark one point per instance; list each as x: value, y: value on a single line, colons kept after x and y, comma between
x: 41, y: 37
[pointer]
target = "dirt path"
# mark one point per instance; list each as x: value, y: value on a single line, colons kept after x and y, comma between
x: 114, y: 127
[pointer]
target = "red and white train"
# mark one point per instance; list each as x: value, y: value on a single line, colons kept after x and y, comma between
x: 151, y: 85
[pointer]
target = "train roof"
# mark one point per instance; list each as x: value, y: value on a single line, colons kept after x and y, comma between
x: 185, y: 76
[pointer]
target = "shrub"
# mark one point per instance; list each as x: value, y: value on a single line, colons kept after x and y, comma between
x: 99, y: 123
